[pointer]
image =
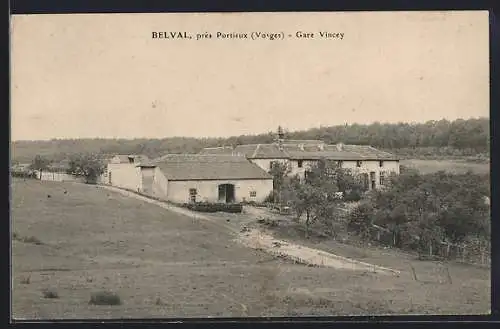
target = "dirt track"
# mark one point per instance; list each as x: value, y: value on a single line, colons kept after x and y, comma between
x: 257, y: 239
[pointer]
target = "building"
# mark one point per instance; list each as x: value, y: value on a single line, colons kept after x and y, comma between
x: 184, y: 178
x: 300, y: 155
x: 123, y: 171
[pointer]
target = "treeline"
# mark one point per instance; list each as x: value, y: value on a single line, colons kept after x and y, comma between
x: 441, y: 138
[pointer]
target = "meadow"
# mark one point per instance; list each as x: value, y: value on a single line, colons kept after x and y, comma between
x: 456, y: 166
x: 81, y: 251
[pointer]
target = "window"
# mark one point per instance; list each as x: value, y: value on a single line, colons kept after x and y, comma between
x: 253, y: 194
x: 192, y: 194
x: 358, y: 163
x: 271, y: 165
x: 340, y: 163
x: 382, y: 178
x: 381, y: 164
x: 299, y: 163
x: 131, y: 160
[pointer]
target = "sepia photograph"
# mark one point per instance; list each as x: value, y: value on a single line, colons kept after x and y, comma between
x: 234, y: 165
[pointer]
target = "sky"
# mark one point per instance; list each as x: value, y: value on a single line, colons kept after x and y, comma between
x: 88, y: 76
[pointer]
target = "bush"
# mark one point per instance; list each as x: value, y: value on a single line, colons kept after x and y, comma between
x: 32, y: 239
x: 26, y: 280
x: 104, y: 298
x: 352, y: 196
x: 24, y: 174
x: 270, y: 198
x: 215, y: 207
x: 50, y: 293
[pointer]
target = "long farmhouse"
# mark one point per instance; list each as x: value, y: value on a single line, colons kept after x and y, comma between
x: 300, y: 155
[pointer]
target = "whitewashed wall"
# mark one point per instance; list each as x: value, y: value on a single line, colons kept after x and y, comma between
x: 388, y: 167
x: 159, y: 186
x: 125, y: 175
x: 208, y: 190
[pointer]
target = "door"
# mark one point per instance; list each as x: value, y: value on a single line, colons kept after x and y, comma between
x: 109, y: 179
x: 373, y: 180
x: 226, y: 193
x: 366, y: 181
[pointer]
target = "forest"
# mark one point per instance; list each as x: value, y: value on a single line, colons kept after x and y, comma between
x: 443, y: 138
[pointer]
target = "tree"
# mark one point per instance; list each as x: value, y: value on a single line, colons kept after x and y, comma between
x: 307, y: 200
x: 88, y: 166
x: 279, y: 171
x: 424, y: 210
x: 40, y: 164
x: 316, y: 196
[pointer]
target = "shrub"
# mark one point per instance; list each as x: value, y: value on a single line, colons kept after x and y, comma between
x: 105, y: 298
x: 352, y: 195
x: 26, y: 280
x: 32, y: 239
x: 50, y: 293
x: 270, y: 198
x: 215, y: 207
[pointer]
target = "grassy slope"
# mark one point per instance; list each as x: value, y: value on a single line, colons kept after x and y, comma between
x: 453, y: 166
x: 97, y: 240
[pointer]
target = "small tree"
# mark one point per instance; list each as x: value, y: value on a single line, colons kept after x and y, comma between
x: 315, y: 198
x: 40, y: 164
x: 88, y: 166
x: 361, y: 220
x: 279, y: 171
x: 306, y: 200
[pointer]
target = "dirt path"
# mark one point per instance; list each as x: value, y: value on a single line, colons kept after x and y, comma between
x: 256, y: 239
x: 259, y: 240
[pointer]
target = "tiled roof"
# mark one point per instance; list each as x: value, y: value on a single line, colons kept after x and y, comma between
x: 304, y: 141
x: 365, y: 152
x: 208, y: 167
x: 310, y: 150
x: 217, y: 150
x: 261, y: 151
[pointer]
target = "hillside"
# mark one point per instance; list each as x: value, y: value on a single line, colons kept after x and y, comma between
x: 85, y: 240
x: 431, y: 139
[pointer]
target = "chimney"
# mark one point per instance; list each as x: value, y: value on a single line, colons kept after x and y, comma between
x: 281, y: 134
x: 280, y: 138
x: 340, y: 147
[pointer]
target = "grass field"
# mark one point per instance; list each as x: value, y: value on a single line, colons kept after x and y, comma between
x: 161, y: 264
x: 453, y: 166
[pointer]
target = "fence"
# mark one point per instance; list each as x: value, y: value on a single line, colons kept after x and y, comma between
x: 474, y: 251
x: 58, y: 177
